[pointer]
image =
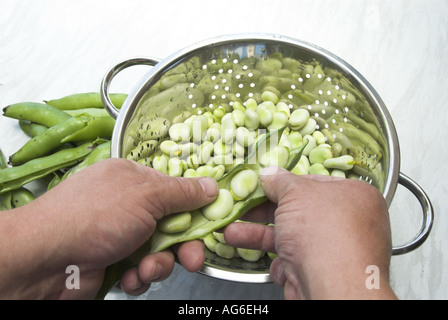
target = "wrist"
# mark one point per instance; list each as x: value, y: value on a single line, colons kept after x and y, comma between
x: 30, y: 260
x: 357, y: 282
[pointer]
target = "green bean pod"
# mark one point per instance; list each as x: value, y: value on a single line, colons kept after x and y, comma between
x: 47, y: 141
x: 16, y: 198
x: 40, y: 113
x: 21, y: 197
x: 96, y: 127
x: 3, y: 163
x: 85, y: 100
x: 15, y: 177
x: 31, y: 129
x: 101, y: 152
x: 54, y: 181
x: 92, y: 112
x: 5, y: 201
x: 5, y: 198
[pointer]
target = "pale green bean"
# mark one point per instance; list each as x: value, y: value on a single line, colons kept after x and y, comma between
x: 320, y: 154
x: 224, y: 250
x: 269, y: 96
x: 298, y: 118
x: 251, y: 255
x: 220, y: 207
x: 319, y: 169
x: 251, y: 120
x: 175, y: 222
x: 180, y: 132
x: 279, y: 120
x: 344, y: 162
x: 243, y: 183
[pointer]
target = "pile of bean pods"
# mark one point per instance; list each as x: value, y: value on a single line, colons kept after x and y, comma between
x: 66, y: 135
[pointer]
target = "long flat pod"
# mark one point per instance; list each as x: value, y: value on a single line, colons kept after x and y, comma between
x: 97, y: 127
x: 40, y: 113
x: 101, y: 152
x: 3, y: 163
x: 85, y: 100
x: 5, y: 198
x: 16, y: 198
x: 47, y: 141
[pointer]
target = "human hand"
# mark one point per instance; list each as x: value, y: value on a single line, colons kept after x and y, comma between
x: 327, y: 232
x: 96, y: 218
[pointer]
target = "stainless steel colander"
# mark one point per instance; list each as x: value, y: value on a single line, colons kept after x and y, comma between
x: 217, y: 72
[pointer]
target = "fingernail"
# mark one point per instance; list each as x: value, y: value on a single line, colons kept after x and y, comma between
x: 136, y: 286
x: 267, y: 172
x: 209, y: 186
x: 276, y: 271
x: 157, y: 273
x: 279, y: 272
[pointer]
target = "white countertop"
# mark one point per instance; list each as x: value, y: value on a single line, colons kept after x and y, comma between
x: 54, y: 48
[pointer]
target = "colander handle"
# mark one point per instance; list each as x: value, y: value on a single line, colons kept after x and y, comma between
x: 428, y: 215
x: 105, y: 83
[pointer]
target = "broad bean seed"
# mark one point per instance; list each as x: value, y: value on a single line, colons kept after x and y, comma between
x: 279, y: 120
x: 251, y: 255
x: 344, y: 162
x: 220, y: 207
x: 243, y: 184
x: 175, y: 223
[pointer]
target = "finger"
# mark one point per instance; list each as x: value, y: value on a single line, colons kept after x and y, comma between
x: 131, y: 284
x: 276, y: 272
x: 292, y: 291
x: 324, y: 178
x: 274, y: 180
x: 250, y: 236
x: 191, y: 255
x: 156, y: 267
x: 263, y: 213
x: 174, y: 194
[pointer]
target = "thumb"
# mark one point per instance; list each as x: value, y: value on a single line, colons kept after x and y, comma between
x: 277, y: 181
x: 274, y: 181
x: 176, y: 194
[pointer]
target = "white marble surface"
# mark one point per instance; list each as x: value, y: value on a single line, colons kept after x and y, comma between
x: 52, y: 48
